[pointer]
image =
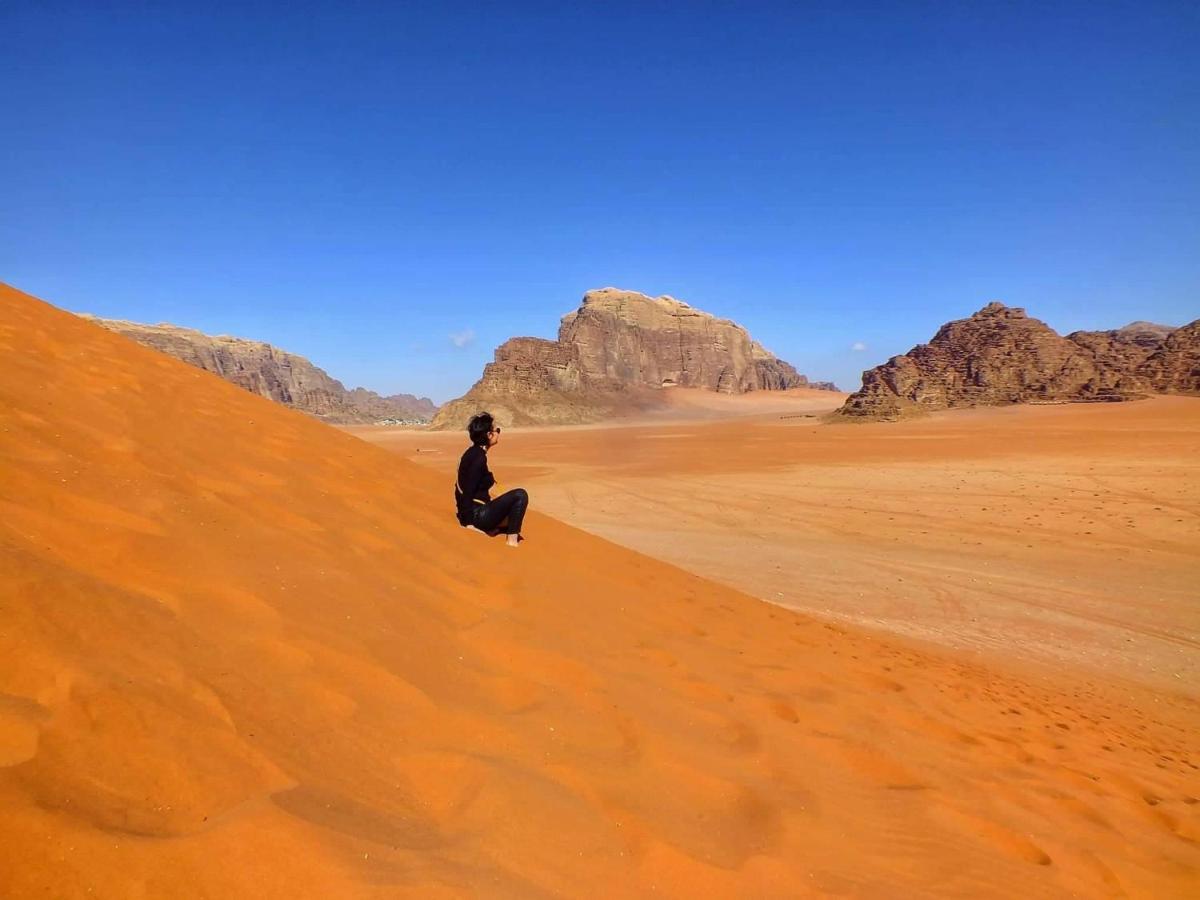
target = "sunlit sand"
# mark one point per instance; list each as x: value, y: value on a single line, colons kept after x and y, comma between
x: 1062, y: 533
x: 243, y: 654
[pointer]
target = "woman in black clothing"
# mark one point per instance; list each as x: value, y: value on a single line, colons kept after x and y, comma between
x: 475, y: 505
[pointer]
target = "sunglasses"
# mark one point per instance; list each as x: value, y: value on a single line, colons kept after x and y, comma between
x: 495, y: 430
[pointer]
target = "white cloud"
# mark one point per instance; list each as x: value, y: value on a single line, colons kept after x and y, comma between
x: 462, y: 338
x: 858, y: 346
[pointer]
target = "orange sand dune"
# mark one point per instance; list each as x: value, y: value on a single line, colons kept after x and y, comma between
x: 244, y: 654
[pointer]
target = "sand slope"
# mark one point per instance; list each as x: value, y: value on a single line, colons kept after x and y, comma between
x: 243, y: 654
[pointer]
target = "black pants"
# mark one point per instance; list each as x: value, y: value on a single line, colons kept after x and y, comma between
x: 510, y: 506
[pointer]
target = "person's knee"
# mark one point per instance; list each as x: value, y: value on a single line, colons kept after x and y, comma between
x: 522, y: 494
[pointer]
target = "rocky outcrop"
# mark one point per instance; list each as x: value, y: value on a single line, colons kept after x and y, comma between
x: 281, y: 376
x: 1175, y: 366
x: 533, y: 381
x: 1124, y: 350
x: 616, y: 354
x: 1001, y: 356
x: 394, y: 407
x: 629, y: 338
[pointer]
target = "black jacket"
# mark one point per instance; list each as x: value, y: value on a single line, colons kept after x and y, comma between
x: 474, y: 482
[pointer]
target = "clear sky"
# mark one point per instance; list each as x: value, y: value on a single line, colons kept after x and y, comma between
x: 393, y: 189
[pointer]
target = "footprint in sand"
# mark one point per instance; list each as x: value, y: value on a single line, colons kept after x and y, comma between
x: 1002, y: 838
x: 784, y: 710
x: 879, y: 769
x: 20, y: 719
x: 883, y: 683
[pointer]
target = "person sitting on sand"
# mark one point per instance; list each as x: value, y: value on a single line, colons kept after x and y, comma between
x: 476, y: 508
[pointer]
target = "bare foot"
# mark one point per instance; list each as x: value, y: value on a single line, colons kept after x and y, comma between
x: 513, y: 540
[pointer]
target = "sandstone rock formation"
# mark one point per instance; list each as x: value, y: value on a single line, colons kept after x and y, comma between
x: 1124, y: 349
x: 1175, y: 366
x: 1001, y: 356
x: 281, y: 376
x: 615, y: 354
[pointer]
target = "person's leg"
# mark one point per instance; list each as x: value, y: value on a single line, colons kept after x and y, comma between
x: 518, y: 503
x: 508, y: 510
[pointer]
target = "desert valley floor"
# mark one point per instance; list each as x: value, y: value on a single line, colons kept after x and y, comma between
x: 245, y: 654
x: 1065, y: 533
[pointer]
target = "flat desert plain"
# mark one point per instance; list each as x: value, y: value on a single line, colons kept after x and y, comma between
x: 1066, y: 534
x: 243, y: 654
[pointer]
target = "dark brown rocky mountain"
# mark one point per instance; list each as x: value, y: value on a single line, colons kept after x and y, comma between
x: 281, y: 376
x: 1001, y: 356
x: 1175, y: 366
x: 616, y: 354
x: 1123, y: 349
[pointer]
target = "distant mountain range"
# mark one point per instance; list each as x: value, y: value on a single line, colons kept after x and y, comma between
x: 621, y: 351
x: 281, y: 376
x: 1001, y: 356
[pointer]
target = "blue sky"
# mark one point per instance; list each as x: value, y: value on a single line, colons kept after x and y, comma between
x: 374, y: 184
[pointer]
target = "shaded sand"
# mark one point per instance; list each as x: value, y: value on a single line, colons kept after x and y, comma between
x: 1067, y: 534
x: 246, y: 655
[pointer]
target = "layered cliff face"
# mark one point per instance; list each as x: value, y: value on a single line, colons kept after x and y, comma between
x: 1175, y: 366
x: 281, y: 376
x: 1124, y: 350
x: 534, y: 381
x: 616, y: 354
x: 1001, y: 356
x: 629, y: 338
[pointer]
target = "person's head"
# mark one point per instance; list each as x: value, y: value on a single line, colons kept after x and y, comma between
x: 483, y: 430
